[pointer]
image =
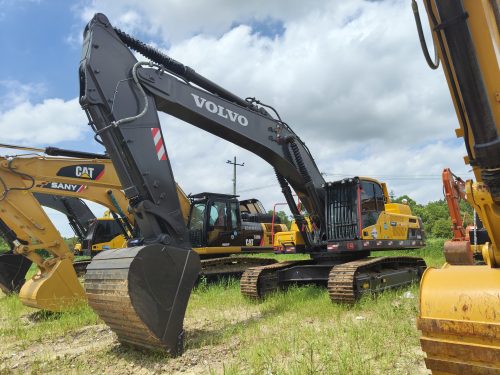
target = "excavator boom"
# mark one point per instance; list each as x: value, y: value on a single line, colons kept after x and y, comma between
x: 459, y: 304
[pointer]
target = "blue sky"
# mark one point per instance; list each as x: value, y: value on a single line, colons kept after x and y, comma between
x: 34, y: 37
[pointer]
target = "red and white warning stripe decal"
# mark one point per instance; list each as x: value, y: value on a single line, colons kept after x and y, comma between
x: 159, y: 145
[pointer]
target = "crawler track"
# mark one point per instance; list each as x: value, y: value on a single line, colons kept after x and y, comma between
x: 256, y: 282
x: 348, y: 281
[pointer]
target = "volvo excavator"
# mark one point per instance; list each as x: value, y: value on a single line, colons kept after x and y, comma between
x: 460, y: 303
x: 142, y: 292
x: 14, y: 267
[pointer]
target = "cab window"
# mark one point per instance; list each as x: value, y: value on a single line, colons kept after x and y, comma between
x: 234, y: 215
x: 218, y: 214
x: 197, y: 216
x: 106, y: 230
x: 372, y: 202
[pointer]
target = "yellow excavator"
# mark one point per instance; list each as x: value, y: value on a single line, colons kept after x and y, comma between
x: 14, y: 267
x: 56, y: 285
x: 460, y: 303
x: 208, y: 215
x: 380, y: 219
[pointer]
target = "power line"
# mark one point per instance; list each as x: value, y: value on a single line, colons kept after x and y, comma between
x: 400, y: 177
x: 258, y: 188
x: 396, y: 177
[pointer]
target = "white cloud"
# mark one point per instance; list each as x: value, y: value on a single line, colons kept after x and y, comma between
x: 44, y: 123
x: 176, y: 20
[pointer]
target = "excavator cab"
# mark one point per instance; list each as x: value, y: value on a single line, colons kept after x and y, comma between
x: 220, y: 221
x: 103, y: 234
x: 214, y: 220
x: 361, y: 216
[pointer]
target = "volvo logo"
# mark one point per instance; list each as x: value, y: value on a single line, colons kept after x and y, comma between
x: 219, y: 110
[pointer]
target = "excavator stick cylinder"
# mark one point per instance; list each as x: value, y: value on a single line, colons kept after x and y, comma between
x: 13, y: 270
x: 460, y: 319
x: 142, y: 293
x: 56, y: 289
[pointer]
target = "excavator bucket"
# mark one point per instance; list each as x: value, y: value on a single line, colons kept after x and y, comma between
x: 53, y: 290
x: 142, y: 293
x: 13, y: 270
x: 460, y: 319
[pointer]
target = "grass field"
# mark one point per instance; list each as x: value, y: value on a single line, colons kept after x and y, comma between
x: 294, y: 332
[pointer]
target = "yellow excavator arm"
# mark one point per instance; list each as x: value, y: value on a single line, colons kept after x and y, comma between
x: 91, y: 179
x: 460, y: 304
x: 56, y: 285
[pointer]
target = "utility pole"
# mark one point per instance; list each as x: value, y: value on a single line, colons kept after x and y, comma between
x: 234, y: 172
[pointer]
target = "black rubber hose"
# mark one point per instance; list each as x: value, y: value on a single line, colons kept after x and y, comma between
x: 177, y: 68
x: 432, y: 64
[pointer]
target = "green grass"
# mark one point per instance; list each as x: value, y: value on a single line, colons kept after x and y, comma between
x: 298, y: 331
x: 24, y: 324
x: 301, y: 332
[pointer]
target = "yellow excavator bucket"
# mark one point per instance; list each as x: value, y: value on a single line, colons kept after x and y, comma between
x: 54, y: 290
x: 460, y: 319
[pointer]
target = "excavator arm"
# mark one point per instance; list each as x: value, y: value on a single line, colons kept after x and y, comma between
x: 55, y: 286
x: 13, y: 267
x: 459, y: 304
x: 458, y: 250
x: 76, y: 210
x: 127, y: 119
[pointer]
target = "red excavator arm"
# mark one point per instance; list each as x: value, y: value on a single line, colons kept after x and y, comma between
x: 458, y: 250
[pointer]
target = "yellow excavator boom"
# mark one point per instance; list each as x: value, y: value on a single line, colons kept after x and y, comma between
x: 460, y: 304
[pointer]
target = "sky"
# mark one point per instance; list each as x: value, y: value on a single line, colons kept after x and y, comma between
x: 347, y: 76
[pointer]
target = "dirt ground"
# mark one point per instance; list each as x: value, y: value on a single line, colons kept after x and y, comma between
x: 95, y: 349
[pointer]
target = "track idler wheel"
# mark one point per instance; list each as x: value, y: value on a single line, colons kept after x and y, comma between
x: 142, y: 293
x: 13, y: 270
